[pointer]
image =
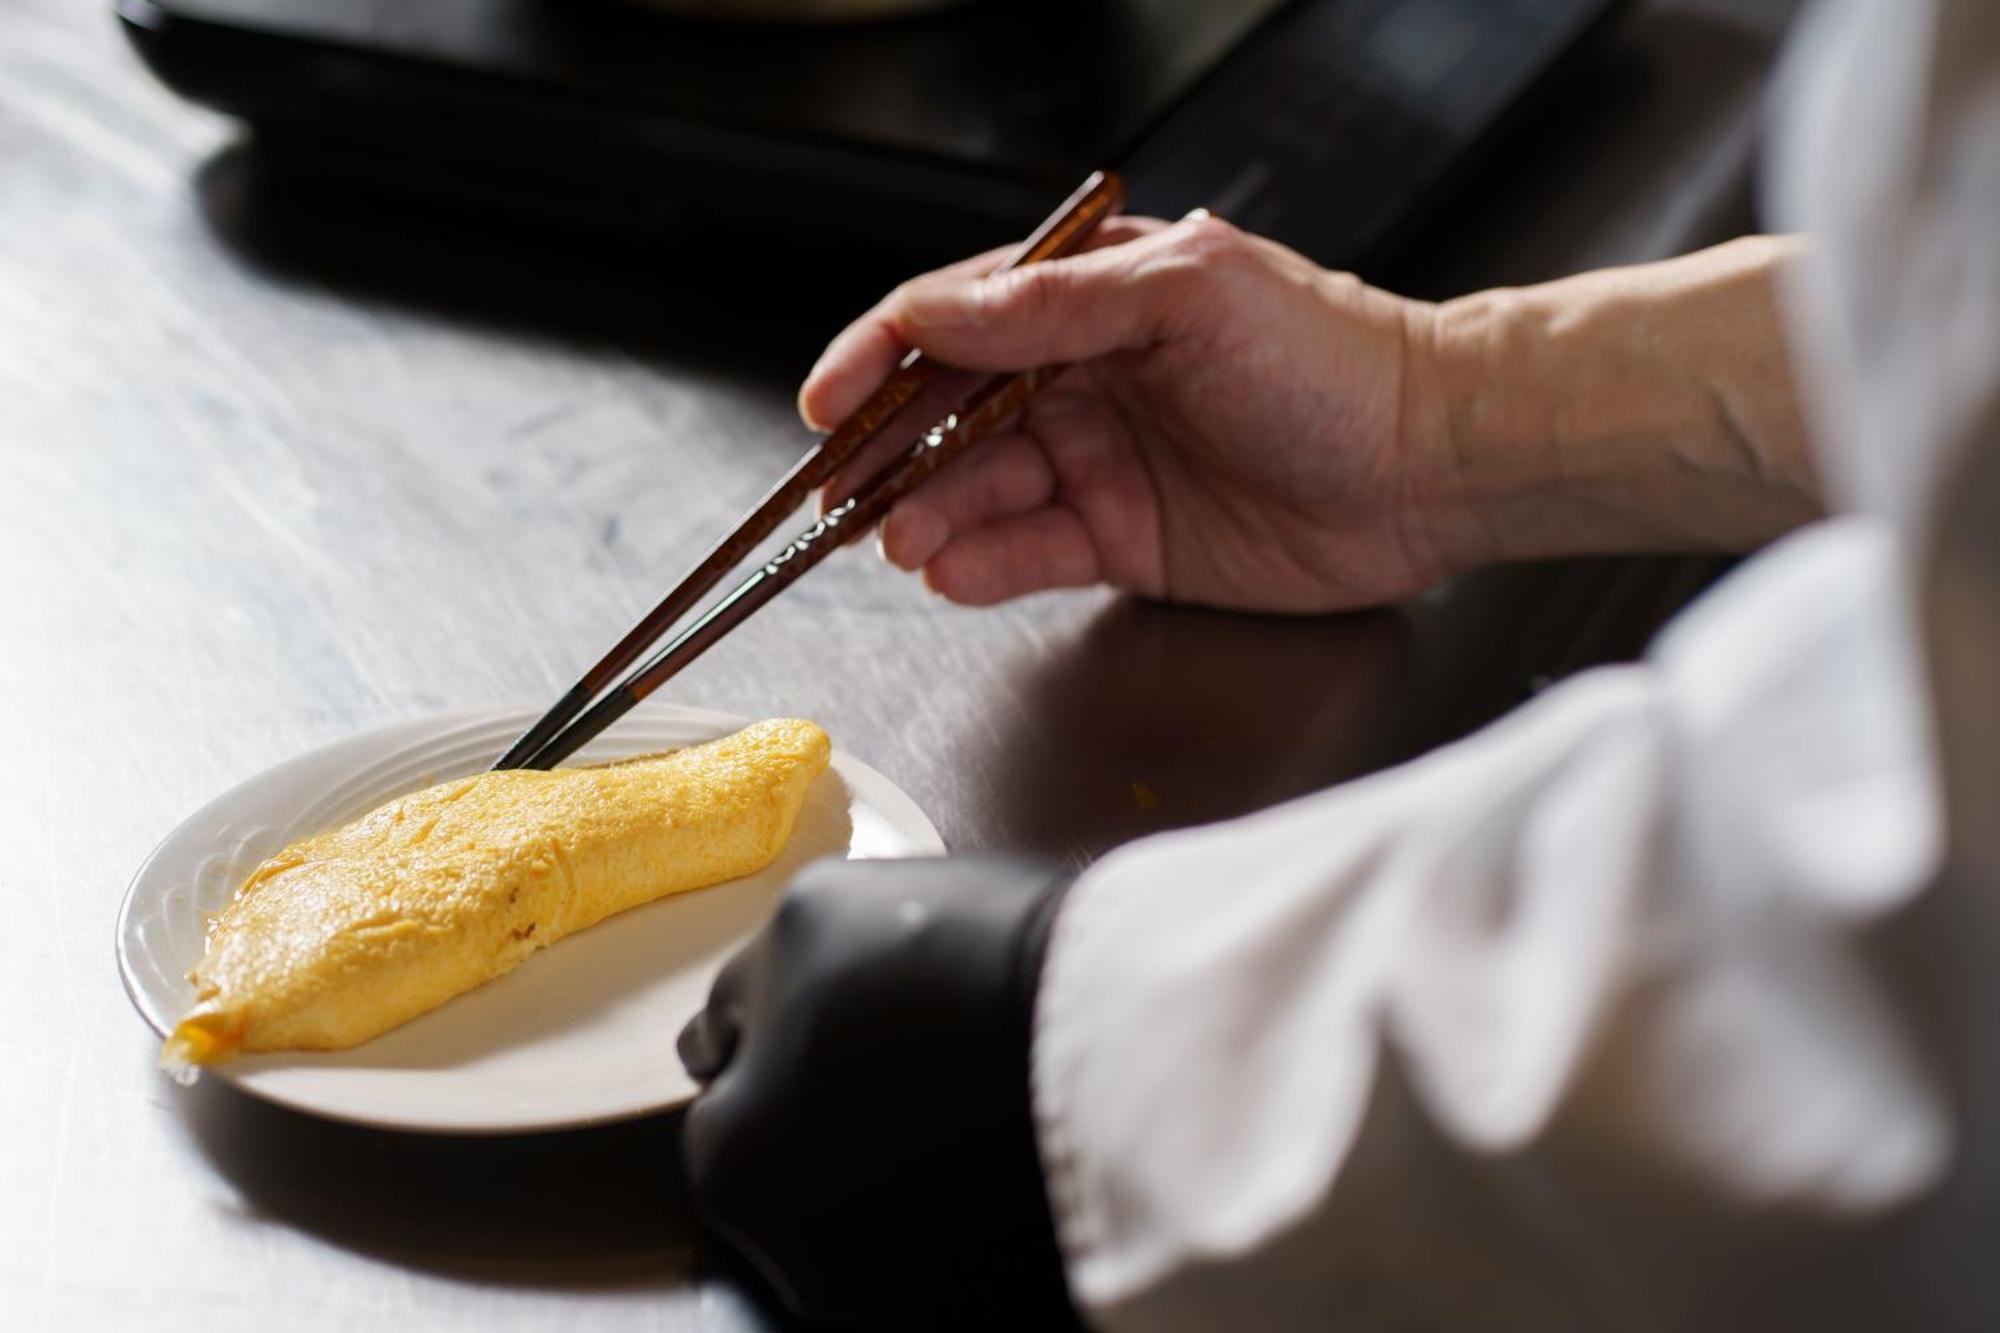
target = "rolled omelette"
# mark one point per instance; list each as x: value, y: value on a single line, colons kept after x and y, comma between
x: 346, y: 934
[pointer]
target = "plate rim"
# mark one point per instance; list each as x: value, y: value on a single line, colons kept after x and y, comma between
x: 847, y: 761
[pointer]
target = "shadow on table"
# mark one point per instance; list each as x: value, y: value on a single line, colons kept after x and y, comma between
x: 727, y: 304
x: 1162, y: 716
x: 604, y: 1208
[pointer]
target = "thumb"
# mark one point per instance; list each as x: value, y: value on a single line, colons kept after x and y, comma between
x: 1063, y: 310
x: 708, y: 1043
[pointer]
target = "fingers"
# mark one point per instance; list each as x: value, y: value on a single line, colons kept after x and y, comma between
x: 1005, y: 475
x: 1011, y: 557
x: 709, y: 1041
x: 897, y: 436
x: 958, y: 527
x: 705, y: 1045
x: 1106, y: 300
x: 861, y: 356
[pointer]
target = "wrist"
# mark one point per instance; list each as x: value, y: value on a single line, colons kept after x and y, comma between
x: 1439, y: 405
x: 1648, y: 408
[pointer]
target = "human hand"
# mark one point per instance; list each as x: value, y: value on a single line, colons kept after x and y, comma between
x: 1242, y: 428
x: 864, y: 1136
x: 1232, y: 430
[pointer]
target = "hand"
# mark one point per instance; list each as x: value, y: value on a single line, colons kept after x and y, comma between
x: 1245, y: 429
x: 1233, y: 431
x: 865, y: 1136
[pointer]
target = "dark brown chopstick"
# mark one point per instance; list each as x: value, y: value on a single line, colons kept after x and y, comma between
x: 989, y: 408
x: 1098, y: 198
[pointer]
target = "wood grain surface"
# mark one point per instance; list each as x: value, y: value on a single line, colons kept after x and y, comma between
x: 278, y: 465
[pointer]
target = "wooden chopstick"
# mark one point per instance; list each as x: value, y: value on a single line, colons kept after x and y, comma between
x: 989, y: 408
x: 1098, y: 198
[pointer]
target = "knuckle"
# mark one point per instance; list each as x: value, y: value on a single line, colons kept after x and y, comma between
x: 795, y: 910
x: 1212, y: 242
x: 797, y: 907
x: 1203, y: 270
x: 1196, y: 255
x: 1342, y: 284
x: 1033, y: 293
x: 810, y: 893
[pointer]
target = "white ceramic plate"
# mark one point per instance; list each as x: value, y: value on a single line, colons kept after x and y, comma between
x: 581, y: 1033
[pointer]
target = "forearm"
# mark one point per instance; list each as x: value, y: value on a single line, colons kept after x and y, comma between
x: 1647, y: 408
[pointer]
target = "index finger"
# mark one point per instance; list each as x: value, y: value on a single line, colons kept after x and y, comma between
x: 864, y: 353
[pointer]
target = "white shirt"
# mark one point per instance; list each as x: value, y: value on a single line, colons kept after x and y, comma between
x: 1633, y: 1010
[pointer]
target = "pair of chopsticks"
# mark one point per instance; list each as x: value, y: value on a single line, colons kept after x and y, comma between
x: 595, y: 701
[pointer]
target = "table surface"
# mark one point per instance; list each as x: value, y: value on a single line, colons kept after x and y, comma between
x: 274, y: 470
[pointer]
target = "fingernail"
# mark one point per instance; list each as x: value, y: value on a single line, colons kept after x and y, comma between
x: 806, y: 387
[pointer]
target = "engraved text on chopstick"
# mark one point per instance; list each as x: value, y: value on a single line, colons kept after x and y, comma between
x: 830, y: 521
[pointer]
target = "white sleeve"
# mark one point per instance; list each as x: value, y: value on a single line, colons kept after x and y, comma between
x: 1462, y: 1017
x: 1583, y: 1021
